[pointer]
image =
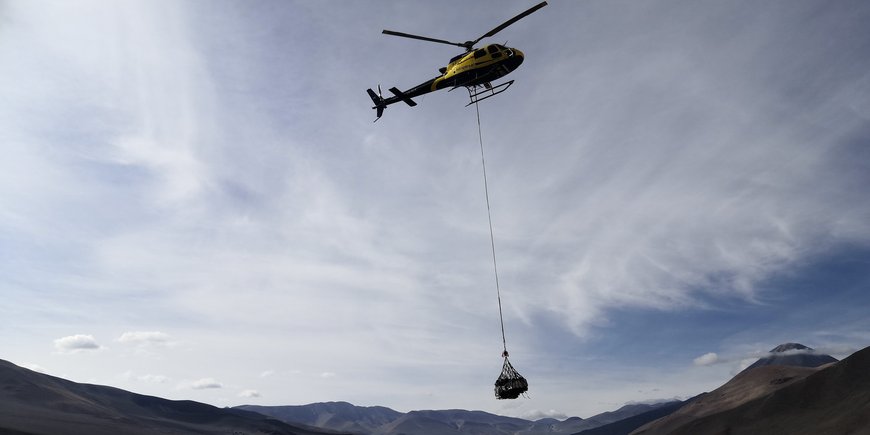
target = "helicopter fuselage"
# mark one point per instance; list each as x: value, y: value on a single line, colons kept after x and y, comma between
x: 478, y: 67
x: 471, y: 69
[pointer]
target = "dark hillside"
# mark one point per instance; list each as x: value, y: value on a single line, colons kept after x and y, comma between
x: 627, y: 425
x: 36, y: 404
x: 781, y: 400
x: 835, y: 400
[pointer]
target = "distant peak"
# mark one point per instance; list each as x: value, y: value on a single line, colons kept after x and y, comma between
x: 789, y: 346
x: 793, y: 354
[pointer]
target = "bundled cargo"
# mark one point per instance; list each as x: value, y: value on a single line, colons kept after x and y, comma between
x: 510, y: 384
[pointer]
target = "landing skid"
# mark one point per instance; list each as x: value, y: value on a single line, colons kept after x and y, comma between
x: 476, y: 94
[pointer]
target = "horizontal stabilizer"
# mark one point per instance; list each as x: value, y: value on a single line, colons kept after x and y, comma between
x: 403, y: 97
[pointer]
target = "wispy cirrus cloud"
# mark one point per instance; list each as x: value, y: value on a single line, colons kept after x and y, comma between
x: 145, y: 338
x: 689, y: 181
x: 200, y: 174
x: 148, y: 378
x: 157, y: 379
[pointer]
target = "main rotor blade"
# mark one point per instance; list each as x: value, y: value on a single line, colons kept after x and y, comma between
x: 422, y: 38
x: 511, y: 21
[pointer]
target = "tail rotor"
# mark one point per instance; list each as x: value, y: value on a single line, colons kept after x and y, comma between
x: 378, y: 100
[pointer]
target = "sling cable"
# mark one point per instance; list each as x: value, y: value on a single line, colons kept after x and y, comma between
x: 510, y: 384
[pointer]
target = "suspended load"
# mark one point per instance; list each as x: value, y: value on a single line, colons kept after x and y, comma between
x: 510, y: 384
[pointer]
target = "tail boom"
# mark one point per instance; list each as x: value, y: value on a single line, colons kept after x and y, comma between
x: 381, y: 103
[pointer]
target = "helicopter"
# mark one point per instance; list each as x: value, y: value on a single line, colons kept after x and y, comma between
x: 475, y: 69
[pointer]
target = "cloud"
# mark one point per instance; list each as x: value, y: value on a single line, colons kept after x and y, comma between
x: 267, y: 373
x: 741, y: 359
x: 145, y: 338
x: 693, y: 181
x: 670, y: 172
x: 76, y: 343
x: 203, y: 384
x: 150, y: 378
x: 706, y: 359
x: 249, y: 393
x: 838, y: 350
x: 536, y: 414
x: 328, y: 375
x: 156, y: 379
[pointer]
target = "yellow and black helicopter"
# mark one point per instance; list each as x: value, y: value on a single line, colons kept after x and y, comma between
x: 474, y: 69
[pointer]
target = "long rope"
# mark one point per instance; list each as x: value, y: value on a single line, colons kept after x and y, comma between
x: 491, y: 236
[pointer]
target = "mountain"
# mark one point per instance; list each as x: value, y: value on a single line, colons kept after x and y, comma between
x: 832, y: 399
x: 340, y: 416
x: 384, y: 421
x: 793, y: 354
x: 746, y: 386
x: 779, y: 395
x: 626, y: 425
x: 33, y: 403
x: 453, y: 421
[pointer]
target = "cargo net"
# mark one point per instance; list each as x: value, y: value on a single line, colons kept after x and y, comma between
x: 510, y: 384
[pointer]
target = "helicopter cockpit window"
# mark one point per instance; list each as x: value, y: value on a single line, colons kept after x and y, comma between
x: 493, y: 50
x: 479, y: 53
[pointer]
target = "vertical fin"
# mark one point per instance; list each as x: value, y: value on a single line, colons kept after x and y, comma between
x: 379, y: 102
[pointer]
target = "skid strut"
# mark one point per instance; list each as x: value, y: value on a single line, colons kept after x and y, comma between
x: 478, y: 93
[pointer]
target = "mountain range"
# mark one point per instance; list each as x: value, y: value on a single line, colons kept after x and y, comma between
x: 813, y: 394
x: 787, y: 367
x: 343, y: 416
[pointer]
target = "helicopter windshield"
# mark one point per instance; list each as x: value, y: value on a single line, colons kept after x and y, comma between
x: 492, y: 49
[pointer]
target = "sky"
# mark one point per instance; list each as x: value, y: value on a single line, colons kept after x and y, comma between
x: 196, y: 204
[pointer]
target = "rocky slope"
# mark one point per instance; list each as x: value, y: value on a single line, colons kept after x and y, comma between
x: 832, y: 399
x: 627, y: 425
